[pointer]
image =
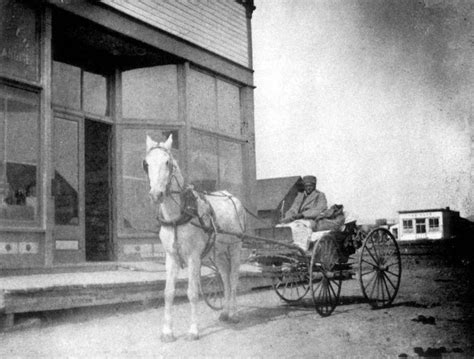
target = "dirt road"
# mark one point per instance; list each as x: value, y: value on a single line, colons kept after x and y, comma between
x: 433, y: 314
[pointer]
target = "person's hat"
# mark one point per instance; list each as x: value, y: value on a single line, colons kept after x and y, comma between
x: 309, y: 179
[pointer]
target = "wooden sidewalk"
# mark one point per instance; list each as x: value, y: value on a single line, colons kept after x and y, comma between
x: 129, y: 282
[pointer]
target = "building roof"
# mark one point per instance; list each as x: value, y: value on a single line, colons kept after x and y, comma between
x: 447, y: 209
x: 271, y: 191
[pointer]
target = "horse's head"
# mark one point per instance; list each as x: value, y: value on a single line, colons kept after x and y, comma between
x: 159, y: 166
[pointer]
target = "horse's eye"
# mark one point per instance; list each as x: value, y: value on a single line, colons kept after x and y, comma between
x: 145, y: 166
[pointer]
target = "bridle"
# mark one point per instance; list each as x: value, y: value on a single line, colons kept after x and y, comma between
x: 171, y: 171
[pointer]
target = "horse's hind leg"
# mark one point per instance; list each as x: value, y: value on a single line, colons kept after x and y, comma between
x: 194, y: 268
x: 172, y: 269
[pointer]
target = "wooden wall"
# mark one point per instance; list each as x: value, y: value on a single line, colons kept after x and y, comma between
x: 218, y: 26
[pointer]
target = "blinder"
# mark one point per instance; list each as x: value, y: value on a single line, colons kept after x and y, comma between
x: 145, y: 166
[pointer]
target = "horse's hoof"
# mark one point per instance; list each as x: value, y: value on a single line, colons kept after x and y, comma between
x: 167, y: 338
x: 233, y: 320
x: 224, y: 317
x: 191, y: 337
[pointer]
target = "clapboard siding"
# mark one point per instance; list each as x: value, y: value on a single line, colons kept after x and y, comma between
x: 216, y: 25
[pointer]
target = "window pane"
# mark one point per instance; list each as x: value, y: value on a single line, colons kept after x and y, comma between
x: 202, y: 100
x: 203, y: 162
x: 66, y: 174
x: 95, y: 94
x: 138, y: 214
x: 66, y: 85
x: 151, y: 93
x: 19, y: 148
x: 19, y: 44
x: 228, y: 105
x: 230, y: 167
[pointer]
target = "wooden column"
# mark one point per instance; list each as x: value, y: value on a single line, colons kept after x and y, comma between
x: 46, y: 129
x: 183, y: 75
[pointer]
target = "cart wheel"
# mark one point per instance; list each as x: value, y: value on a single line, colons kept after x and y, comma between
x: 212, y: 287
x: 291, y: 281
x: 380, y: 268
x: 325, y: 280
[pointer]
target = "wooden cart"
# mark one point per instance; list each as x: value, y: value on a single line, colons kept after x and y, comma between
x: 373, y: 258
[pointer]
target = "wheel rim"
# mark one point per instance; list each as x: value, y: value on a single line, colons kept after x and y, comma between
x: 325, y: 280
x: 291, y: 281
x: 380, y: 268
x: 212, y: 287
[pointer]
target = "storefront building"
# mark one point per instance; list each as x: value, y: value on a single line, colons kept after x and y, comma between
x: 81, y: 85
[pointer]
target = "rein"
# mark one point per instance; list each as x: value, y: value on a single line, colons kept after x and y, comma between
x: 187, y: 213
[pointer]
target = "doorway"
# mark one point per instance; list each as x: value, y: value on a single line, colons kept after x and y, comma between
x: 98, y: 194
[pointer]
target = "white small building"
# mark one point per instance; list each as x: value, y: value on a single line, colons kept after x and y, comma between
x: 425, y: 224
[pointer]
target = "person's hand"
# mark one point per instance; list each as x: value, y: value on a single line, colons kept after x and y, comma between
x: 298, y: 216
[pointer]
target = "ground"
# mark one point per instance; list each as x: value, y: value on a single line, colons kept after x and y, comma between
x: 433, y: 314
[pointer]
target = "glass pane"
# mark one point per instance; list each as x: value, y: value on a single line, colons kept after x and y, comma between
x: 203, y: 162
x: 66, y: 85
x: 66, y: 174
x: 19, y: 148
x: 19, y: 49
x: 228, y: 105
x: 230, y: 167
x: 151, y: 93
x: 95, y: 94
x: 138, y: 214
x: 202, y: 100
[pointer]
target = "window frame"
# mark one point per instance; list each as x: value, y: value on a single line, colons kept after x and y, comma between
x: 37, y: 224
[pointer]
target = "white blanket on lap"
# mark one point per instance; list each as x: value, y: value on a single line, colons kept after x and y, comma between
x: 300, y: 231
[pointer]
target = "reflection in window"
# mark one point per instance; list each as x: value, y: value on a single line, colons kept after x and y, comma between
x: 203, y: 163
x: 150, y: 93
x: 202, y: 100
x: 66, y: 85
x: 66, y: 175
x: 228, y: 106
x: 230, y: 167
x: 138, y: 214
x: 95, y: 94
x: 19, y: 147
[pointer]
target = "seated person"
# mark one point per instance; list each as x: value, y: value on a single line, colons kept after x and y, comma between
x: 308, y: 205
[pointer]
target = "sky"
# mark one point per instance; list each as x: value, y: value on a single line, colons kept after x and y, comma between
x: 373, y: 97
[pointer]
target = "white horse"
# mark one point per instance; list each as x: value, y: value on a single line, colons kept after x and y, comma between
x: 184, y: 239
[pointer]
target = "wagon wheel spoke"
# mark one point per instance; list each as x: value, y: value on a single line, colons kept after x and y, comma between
x: 384, y: 277
x: 390, y: 281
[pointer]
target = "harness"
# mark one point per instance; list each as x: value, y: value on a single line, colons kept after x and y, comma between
x: 188, y: 210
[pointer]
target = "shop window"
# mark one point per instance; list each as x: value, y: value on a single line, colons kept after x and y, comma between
x: 433, y: 224
x: 66, y: 174
x: 420, y: 225
x: 230, y: 167
x: 407, y: 225
x: 203, y: 162
x: 138, y: 214
x: 19, y: 148
x: 228, y: 107
x: 95, y: 94
x: 202, y: 100
x: 151, y: 93
x: 19, y: 45
x: 66, y: 85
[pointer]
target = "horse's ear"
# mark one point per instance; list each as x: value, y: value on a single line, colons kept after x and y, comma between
x: 150, y: 143
x: 169, y: 142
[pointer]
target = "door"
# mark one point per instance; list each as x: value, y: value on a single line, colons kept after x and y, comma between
x: 68, y: 189
x: 98, y: 194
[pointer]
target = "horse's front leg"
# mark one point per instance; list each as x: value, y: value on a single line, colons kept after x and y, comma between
x: 172, y: 268
x: 234, y: 271
x: 194, y: 270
